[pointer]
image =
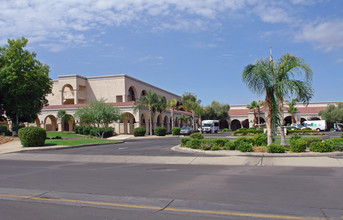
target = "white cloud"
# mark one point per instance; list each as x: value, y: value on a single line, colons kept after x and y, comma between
x: 272, y: 14
x: 326, y: 35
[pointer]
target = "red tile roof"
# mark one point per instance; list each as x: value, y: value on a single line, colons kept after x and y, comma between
x: 302, y: 110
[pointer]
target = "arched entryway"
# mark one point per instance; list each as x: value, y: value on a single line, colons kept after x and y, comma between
x: 288, y: 120
x: 159, y: 121
x: 69, y: 125
x: 143, y: 121
x: 143, y: 93
x: 50, y: 123
x: 132, y: 94
x: 245, y: 123
x: 127, y: 123
x: 166, y: 123
x: 177, y: 122
x: 235, y: 124
x: 68, y: 95
x: 223, y: 124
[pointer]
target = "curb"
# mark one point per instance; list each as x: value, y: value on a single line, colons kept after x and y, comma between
x: 64, y: 147
x: 255, y: 154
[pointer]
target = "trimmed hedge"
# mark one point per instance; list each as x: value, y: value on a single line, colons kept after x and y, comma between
x: 248, y: 131
x: 184, y: 141
x: 160, y: 131
x: 321, y: 147
x: 229, y: 146
x: 336, y: 143
x: 259, y: 139
x: 193, y: 143
x: 310, y: 140
x: 298, y: 146
x: 197, y: 136
x: 276, y: 148
x: 138, y: 132
x: 244, y: 147
x: 226, y: 130
x: 220, y: 141
x: 32, y: 136
x: 176, y: 131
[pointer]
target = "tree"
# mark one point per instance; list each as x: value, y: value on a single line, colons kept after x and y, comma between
x: 292, y: 109
x: 99, y: 114
x: 259, y: 103
x: 277, y: 80
x: 286, y: 83
x: 332, y: 113
x: 153, y: 103
x: 253, y: 106
x: 184, y: 118
x: 217, y: 111
x: 172, y: 105
x: 24, y: 82
x: 200, y: 111
x: 190, y: 103
x: 63, y: 117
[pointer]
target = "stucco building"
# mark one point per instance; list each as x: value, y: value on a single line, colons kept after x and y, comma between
x: 73, y: 91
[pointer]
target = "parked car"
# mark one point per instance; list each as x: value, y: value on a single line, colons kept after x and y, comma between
x: 186, y: 130
x: 293, y: 126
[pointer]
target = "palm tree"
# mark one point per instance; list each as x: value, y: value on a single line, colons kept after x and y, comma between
x: 200, y: 111
x: 190, y: 104
x: 253, y: 106
x: 63, y: 117
x: 286, y: 83
x: 172, y: 105
x: 292, y: 109
x: 277, y: 80
x: 259, y: 103
x: 153, y: 103
x: 184, y: 119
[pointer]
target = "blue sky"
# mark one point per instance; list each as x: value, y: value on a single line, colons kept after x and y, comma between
x: 198, y: 46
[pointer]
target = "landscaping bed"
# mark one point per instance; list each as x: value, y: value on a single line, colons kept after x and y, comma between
x: 5, y: 139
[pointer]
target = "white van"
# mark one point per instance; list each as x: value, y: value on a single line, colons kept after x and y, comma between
x: 319, y: 125
x: 210, y: 126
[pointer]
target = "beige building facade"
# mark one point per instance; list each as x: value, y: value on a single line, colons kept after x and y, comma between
x: 73, y: 91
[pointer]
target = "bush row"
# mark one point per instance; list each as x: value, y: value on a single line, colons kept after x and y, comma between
x: 93, y: 131
x: 32, y: 136
x: 248, y: 131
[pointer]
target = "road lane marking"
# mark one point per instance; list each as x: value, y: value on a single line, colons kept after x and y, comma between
x: 242, y: 214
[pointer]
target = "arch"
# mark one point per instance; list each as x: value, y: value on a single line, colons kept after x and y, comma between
x: 245, y: 123
x: 235, y: 124
x: 68, y: 95
x: 132, y: 94
x: 288, y: 120
x: 313, y: 118
x: 166, y: 122
x: 302, y: 120
x: 176, y: 122
x: 143, y: 93
x: 159, y: 120
x: 50, y: 123
x: 143, y: 121
x: 223, y: 124
x: 128, y: 123
x: 262, y: 121
x: 69, y: 125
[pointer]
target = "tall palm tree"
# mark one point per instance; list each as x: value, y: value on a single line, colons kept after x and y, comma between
x: 292, y: 109
x: 253, y: 106
x: 153, y: 103
x: 259, y: 103
x: 277, y: 80
x: 287, y: 70
x: 200, y: 111
x: 190, y: 103
x: 172, y: 105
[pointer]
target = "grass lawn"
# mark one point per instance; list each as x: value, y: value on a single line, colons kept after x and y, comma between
x: 278, y: 141
x: 65, y: 134
x: 72, y: 142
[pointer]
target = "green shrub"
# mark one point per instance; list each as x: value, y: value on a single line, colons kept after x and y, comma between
x: 307, y: 129
x: 193, y: 143
x: 215, y: 147
x: 184, y: 141
x: 320, y: 147
x: 310, y: 140
x: 140, y: 131
x: 160, y: 131
x: 298, y: 145
x: 226, y: 130
x: 86, y: 130
x: 176, y: 131
x: 259, y: 139
x: 5, y: 131
x: 229, y: 146
x: 32, y: 136
x: 197, y: 136
x: 240, y: 140
x: 219, y: 141
x: 206, y: 144
x: 108, y: 132
x: 336, y: 143
x: 80, y: 129
x: 276, y: 148
x: 341, y: 135
x: 76, y: 129
x: 244, y: 147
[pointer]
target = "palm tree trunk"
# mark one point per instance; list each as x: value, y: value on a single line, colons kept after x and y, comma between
x: 150, y: 121
x: 172, y: 116
x: 292, y: 118
x: 193, y: 115
x: 255, y: 119
x: 259, y: 117
x: 282, y: 122
x: 269, y: 120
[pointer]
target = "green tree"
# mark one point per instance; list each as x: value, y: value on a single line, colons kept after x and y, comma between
x: 253, y: 106
x: 332, y: 113
x: 217, y: 111
x: 63, y: 117
x: 190, y: 103
x: 184, y: 118
x: 153, y: 103
x: 24, y: 82
x: 99, y: 114
x: 277, y: 80
x: 172, y: 105
x: 292, y: 109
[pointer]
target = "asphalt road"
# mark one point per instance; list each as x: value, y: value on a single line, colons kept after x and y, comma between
x: 65, y: 190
